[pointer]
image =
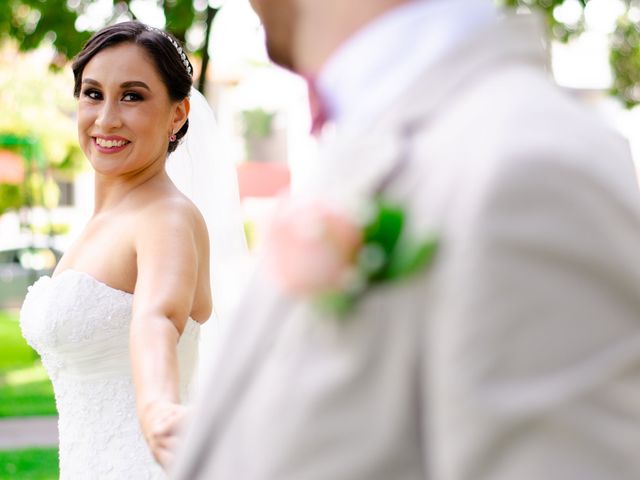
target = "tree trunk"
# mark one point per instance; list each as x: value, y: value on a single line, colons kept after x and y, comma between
x: 202, y: 81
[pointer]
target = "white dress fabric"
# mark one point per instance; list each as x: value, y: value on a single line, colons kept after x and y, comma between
x: 80, y: 328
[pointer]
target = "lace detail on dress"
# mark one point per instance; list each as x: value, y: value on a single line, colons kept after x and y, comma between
x: 80, y: 328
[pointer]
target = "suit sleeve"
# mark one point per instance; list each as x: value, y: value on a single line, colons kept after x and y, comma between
x: 533, y: 368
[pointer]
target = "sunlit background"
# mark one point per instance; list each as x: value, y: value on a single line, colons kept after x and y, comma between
x: 46, y: 186
x: 261, y: 109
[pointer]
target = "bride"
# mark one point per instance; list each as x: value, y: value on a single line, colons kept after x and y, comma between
x: 117, y: 324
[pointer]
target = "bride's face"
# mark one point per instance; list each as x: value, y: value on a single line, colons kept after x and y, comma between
x: 125, y: 114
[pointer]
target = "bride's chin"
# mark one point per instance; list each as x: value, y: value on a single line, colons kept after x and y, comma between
x: 102, y: 167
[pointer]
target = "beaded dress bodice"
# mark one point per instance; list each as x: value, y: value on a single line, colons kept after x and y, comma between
x: 80, y: 328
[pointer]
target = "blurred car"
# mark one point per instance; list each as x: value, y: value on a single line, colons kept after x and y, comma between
x: 20, y: 267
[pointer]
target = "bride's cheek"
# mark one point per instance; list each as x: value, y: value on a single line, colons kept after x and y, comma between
x: 85, y: 121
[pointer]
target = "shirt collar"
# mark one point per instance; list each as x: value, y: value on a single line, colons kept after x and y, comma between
x: 379, y: 61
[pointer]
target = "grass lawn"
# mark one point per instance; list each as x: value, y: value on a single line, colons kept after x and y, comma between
x: 32, y: 464
x: 25, y: 392
x: 15, y: 352
x: 25, y: 388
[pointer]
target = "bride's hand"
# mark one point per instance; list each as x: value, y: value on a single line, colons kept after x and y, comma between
x: 162, y: 424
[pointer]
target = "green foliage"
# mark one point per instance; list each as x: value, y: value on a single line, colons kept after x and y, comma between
x: 561, y: 31
x: 624, y: 42
x: 11, y: 197
x: 29, y: 398
x: 31, y: 464
x: 50, y: 228
x: 33, y: 23
x: 14, y: 352
x: 38, y: 112
x: 30, y: 22
x: 38, y: 124
x: 38, y: 188
x: 24, y: 386
x: 180, y: 15
x: 257, y: 123
x: 625, y: 61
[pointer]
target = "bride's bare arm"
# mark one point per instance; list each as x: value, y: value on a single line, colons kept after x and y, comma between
x: 168, y: 259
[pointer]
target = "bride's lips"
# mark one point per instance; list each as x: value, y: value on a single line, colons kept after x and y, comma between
x: 110, y: 144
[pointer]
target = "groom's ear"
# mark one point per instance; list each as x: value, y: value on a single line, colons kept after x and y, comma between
x: 181, y: 114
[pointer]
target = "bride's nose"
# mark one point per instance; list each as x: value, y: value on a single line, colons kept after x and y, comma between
x: 108, y: 116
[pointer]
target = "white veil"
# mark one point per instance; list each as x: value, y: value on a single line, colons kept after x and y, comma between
x: 201, y: 168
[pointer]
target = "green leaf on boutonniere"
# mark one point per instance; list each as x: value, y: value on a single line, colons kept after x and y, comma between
x: 407, y: 261
x: 381, y: 237
x: 386, y: 227
x: 337, y: 303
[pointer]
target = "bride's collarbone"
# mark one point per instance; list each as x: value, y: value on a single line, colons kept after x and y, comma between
x: 105, y: 234
x: 104, y: 251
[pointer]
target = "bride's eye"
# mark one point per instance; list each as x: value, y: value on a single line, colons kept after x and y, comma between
x: 92, y: 93
x: 132, y: 97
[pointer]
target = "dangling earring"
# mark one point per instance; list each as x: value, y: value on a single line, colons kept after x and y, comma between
x: 172, y: 137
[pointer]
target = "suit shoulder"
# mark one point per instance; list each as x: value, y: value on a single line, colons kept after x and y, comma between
x: 518, y: 117
x: 515, y: 132
x: 524, y: 109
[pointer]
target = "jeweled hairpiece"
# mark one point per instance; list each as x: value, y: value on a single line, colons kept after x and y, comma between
x: 183, y: 56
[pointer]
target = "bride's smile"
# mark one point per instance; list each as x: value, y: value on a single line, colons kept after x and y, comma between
x: 111, y: 144
x: 121, y: 91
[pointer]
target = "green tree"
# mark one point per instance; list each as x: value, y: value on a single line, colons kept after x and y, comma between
x: 625, y: 60
x: 32, y: 22
x: 624, y: 45
x: 37, y: 103
x: 38, y: 124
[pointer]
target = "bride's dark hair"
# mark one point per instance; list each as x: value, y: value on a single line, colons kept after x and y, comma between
x: 165, y: 55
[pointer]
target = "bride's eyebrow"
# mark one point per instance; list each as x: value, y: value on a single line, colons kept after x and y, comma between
x: 90, y: 81
x: 133, y: 83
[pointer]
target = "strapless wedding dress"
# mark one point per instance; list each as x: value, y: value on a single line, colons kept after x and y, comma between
x: 80, y: 328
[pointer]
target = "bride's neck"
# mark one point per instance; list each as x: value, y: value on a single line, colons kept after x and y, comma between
x: 111, y: 191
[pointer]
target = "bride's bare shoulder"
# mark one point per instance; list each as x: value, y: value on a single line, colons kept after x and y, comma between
x: 170, y: 208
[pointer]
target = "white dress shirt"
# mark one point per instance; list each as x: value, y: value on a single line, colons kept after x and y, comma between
x: 379, y: 61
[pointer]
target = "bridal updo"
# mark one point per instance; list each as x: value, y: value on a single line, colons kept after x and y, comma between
x: 165, y: 51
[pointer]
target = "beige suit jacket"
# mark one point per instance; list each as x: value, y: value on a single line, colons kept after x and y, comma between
x: 514, y: 356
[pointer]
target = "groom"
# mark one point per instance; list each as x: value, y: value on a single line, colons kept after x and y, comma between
x: 514, y: 352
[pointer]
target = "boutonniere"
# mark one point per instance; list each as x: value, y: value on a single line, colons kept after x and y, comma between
x: 331, y: 257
